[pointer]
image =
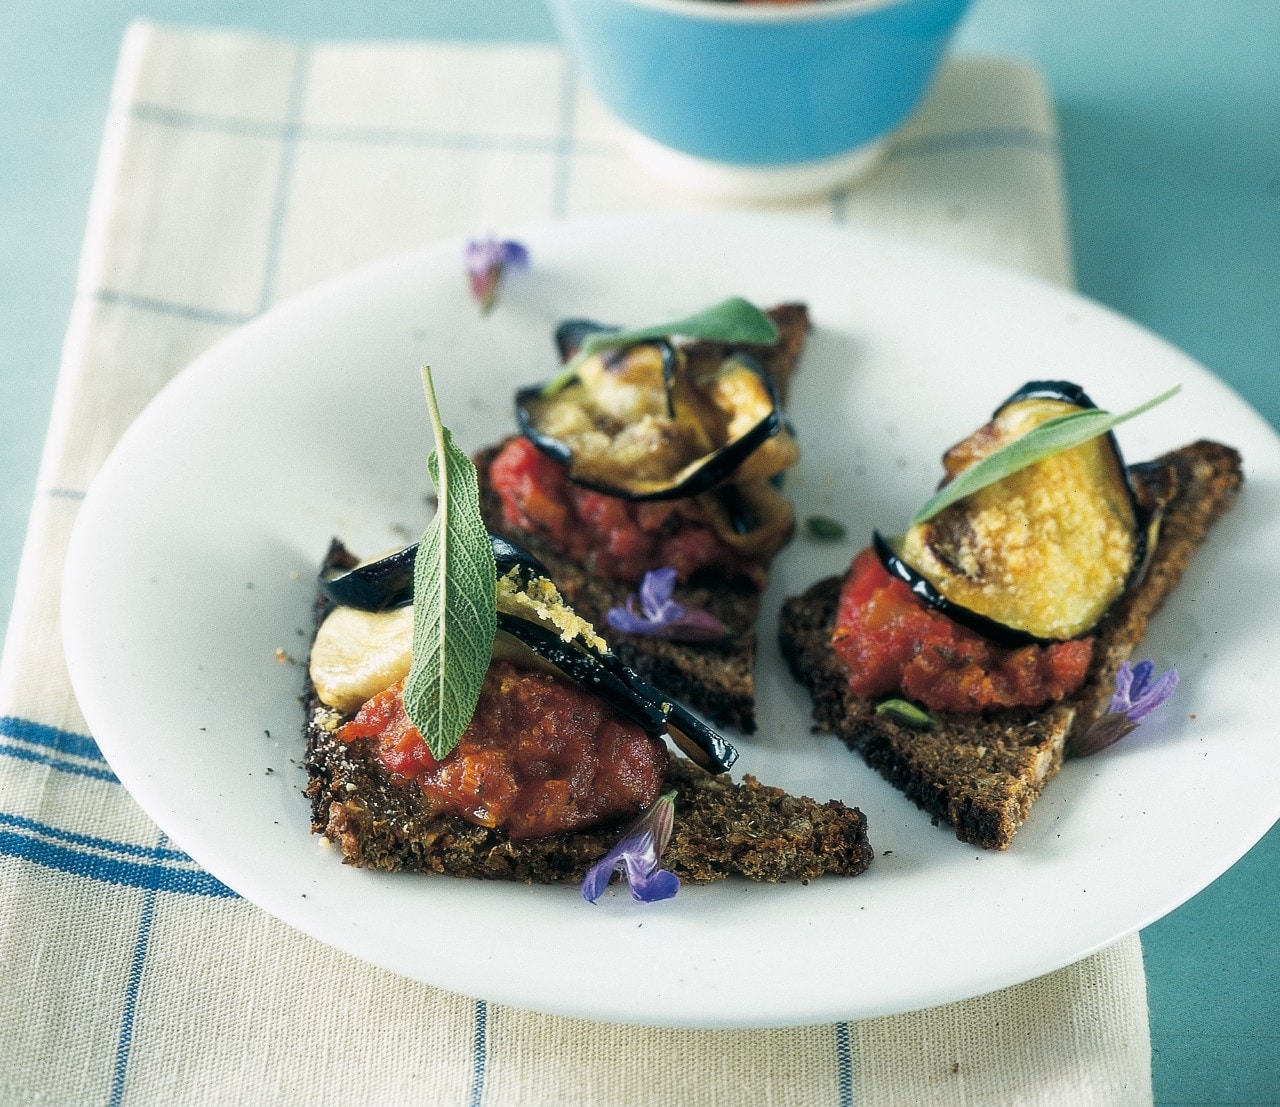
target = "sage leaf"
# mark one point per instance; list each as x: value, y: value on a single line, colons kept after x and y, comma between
x: 455, y: 613
x: 905, y: 712
x: 1064, y: 432
x: 732, y: 320
x: 824, y: 529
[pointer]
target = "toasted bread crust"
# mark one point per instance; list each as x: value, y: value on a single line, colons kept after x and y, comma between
x: 721, y: 827
x: 715, y: 678
x: 982, y: 773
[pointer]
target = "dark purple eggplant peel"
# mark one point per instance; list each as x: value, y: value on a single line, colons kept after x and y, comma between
x: 387, y: 582
x: 689, y: 438
x: 974, y: 561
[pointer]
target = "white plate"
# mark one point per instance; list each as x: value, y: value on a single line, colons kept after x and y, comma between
x: 194, y: 555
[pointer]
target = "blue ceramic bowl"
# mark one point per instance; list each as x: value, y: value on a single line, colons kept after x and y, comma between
x: 763, y: 92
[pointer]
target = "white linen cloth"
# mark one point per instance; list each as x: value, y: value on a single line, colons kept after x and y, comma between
x: 234, y: 171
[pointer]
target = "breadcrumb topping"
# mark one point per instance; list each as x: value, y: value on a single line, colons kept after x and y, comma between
x: 539, y: 601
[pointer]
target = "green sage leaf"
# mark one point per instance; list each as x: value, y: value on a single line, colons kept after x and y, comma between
x: 823, y: 528
x: 905, y: 712
x: 732, y: 320
x: 454, y: 598
x: 1064, y: 432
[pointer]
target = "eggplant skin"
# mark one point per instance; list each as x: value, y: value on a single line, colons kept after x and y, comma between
x: 1067, y: 391
x: 1043, y: 553
x: 925, y: 590
x: 367, y: 646
x: 378, y: 585
x: 636, y: 424
x: 386, y: 582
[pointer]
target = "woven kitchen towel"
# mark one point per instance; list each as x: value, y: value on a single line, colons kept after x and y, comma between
x: 235, y: 171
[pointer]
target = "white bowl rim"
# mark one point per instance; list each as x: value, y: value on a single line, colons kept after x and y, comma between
x: 802, y: 11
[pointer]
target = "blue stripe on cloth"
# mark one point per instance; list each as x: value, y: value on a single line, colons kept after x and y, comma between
x: 979, y: 138
x: 844, y: 1065
x: 564, y: 141
x: 51, y: 737
x: 446, y: 140
x: 21, y: 753
x: 982, y: 138
x: 181, y: 119
x: 288, y: 147
x: 360, y: 135
x: 192, y: 312
x: 66, y: 493
x: 124, y: 1043
x: 480, y: 1053
x: 107, y: 845
x: 112, y: 870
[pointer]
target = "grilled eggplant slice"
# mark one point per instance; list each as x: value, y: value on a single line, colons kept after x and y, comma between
x: 531, y: 611
x: 380, y: 584
x: 638, y: 424
x: 386, y: 582
x: 532, y: 645
x: 358, y: 653
x: 752, y: 517
x: 365, y: 645
x: 1041, y: 555
x: 508, y: 556
x: 572, y: 333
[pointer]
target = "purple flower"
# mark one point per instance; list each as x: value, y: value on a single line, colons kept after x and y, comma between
x: 660, y: 616
x: 487, y: 262
x: 1136, y: 696
x: 638, y: 854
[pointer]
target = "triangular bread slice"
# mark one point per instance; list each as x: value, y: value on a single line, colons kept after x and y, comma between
x: 717, y: 679
x: 722, y: 827
x: 982, y: 774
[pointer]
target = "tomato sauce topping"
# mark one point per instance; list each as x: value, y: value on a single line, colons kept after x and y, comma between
x: 541, y: 755
x: 615, y: 538
x: 893, y: 643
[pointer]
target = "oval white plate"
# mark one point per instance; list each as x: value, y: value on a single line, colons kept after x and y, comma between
x: 194, y: 555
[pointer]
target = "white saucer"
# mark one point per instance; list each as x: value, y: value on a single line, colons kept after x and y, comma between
x: 715, y: 180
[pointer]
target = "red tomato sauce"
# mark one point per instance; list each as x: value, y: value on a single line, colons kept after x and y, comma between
x: 540, y: 757
x: 614, y: 538
x: 892, y: 643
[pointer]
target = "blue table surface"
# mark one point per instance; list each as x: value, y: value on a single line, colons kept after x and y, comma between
x: 1170, y: 118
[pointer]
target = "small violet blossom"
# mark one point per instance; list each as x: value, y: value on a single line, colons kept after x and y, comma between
x: 638, y: 854
x: 661, y: 616
x: 1137, y: 694
x: 487, y: 262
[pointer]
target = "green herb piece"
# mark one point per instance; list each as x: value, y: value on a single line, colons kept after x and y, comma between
x: 731, y: 320
x: 905, y: 712
x: 824, y: 528
x: 455, y: 611
x: 1064, y: 432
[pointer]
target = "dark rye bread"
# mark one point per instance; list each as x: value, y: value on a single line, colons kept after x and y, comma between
x: 717, y: 679
x: 721, y: 827
x: 982, y: 774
